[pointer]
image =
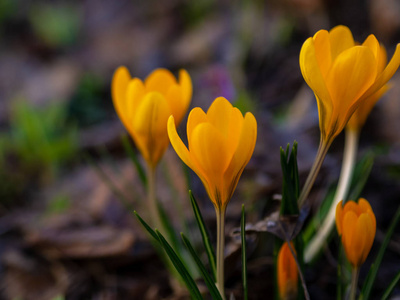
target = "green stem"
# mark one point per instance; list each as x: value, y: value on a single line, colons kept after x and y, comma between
x: 349, y: 158
x: 322, y: 150
x: 303, y: 281
x: 354, y: 280
x: 152, y: 199
x: 220, y: 250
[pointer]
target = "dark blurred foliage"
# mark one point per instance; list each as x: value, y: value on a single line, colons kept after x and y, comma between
x: 65, y: 234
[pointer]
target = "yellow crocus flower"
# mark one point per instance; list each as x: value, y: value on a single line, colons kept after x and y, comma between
x: 221, y: 143
x: 287, y: 273
x: 343, y: 74
x: 144, y: 107
x: 356, y: 224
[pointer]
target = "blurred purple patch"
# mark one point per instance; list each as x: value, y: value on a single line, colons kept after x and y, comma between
x: 216, y: 81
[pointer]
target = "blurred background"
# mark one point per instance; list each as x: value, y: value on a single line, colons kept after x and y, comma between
x: 66, y: 178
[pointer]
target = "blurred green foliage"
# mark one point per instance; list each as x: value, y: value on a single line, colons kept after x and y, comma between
x: 58, y: 205
x: 89, y: 105
x: 38, y: 142
x: 57, y: 25
x: 7, y: 9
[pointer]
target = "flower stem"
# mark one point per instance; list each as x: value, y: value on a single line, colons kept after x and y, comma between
x: 322, y: 150
x: 354, y: 280
x: 349, y: 157
x: 303, y: 281
x: 152, y: 199
x: 220, y: 212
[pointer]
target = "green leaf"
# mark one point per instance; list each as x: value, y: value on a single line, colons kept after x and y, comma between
x: 204, y: 235
x: 146, y: 226
x: 244, y: 259
x: 132, y: 154
x: 361, y: 173
x: 176, y: 261
x: 207, y: 278
x: 391, y: 286
x: 373, y: 271
x: 180, y: 267
x: 290, y: 184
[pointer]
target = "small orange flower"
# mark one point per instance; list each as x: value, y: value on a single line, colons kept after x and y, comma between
x: 144, y: 107
x: 287, y: 273
x: 356, y: 224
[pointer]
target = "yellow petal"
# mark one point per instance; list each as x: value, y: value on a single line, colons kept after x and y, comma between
x: 119, y: 84
x: 150, y: 126
x: 372, y: 43
x: 235, y: 128
x: 323, y: 51
x: 352, y: 73
x: 186, y: 86
x: 160, y: 80
x: 387, y: 73
x: 361, y: 114
x: 242, y: 155
x: 312, y: 75
x: 382, y: 59
x: 209, y: 148
x: 134, y: 95
x: 177, y: 143
x: 341, y: 39
x: 196, y: 117
x: 175, y: 102
x: 219, y: 115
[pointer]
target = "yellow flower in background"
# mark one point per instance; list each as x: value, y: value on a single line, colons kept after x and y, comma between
x: 287, y: 273
x: 356, y: 224
x: 221, y: 144
x: 144, y: 107
x: 343, y: 74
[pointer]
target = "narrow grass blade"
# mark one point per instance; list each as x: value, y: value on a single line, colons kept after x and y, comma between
x: 244, y: 261
x: 391, y: 286
x: 180, y: 267
x: 131, y: 153
x: 146, y: 226
x: 204, y: 234
x: 373, y: 271
x: 207, y: 278
x: 361, y: 174
x: 176, y: 261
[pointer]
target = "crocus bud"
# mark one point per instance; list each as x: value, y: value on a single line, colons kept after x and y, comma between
x: 287, y: 273
x: 356, y: 224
